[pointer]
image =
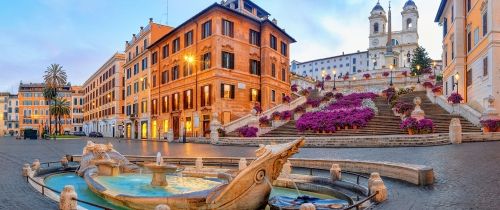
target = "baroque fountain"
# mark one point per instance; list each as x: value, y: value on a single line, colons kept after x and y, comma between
x: 264, y: 183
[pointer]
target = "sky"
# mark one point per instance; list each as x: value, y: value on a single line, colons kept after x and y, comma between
x: 82, y: 34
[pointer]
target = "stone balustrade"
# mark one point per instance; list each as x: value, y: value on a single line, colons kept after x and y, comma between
x: 463, y: 110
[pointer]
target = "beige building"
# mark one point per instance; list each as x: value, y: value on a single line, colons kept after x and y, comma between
x: 103, y: 99
x: 471, y: 50
x: 77, y: 108
x: 9, y: 124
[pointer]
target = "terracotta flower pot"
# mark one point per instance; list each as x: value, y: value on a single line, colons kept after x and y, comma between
x: 355, y: 127
x: 346, y: 127
x: 276, y: 118
x: 486, y: 129
x: 411, y: 132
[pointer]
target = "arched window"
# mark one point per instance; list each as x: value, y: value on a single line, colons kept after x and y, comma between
x: 409, y: 24
x: 375, y: 28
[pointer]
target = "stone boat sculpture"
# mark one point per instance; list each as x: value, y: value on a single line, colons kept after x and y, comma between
x: 249, y: 189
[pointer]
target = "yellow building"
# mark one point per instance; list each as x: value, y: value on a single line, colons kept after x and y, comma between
x: 471, y: 53
x: 103, y: 98
x: 137, y: 80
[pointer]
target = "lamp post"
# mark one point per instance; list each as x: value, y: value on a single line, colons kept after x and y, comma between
x: 391, y: 67
x: 434, y: 68
x: 334, y: 78
x: 457, y: 77
x: 418, y: 74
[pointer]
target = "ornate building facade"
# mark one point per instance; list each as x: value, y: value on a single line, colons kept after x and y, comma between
x: 223, y: 60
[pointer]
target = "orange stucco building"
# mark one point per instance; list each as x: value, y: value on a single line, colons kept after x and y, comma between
x: 223, y: 60
x: 34, y: 109
x: 137, y: 122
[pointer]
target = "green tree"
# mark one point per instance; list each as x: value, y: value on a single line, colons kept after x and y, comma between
x: 420, y: 58
x: 49, y: 94
x: 55, y: 77
x: 60, y: 109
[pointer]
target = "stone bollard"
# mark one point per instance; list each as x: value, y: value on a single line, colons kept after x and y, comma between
x: 67, y: 199
x: 286, y: 171
x: 373, y: 176
x: 215, y: 125
x: 307, y: 206
x: 335, y: 173
x: 199, y: 163
x: 162, y: 207
x: 378, y: 187
x: 242, y: 164
x: 64, y: 162
x: 26, y: 169
x: 455, y: 131
x: 36, y: 165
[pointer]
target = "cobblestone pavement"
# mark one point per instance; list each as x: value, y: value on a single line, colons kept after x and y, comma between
x: 467, y: 175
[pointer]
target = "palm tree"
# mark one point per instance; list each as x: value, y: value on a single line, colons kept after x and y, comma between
x: 60, y: 108
x: 55, y: 77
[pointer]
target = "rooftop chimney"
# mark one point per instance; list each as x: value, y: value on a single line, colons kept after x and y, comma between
x: 150, y: 20
x: 133, y: 35
x: 142, y: 28
x: 275, y: 21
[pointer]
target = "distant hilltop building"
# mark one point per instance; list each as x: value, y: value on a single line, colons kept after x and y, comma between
x: 381, y: 52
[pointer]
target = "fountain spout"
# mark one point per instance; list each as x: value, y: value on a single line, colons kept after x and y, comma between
x: 159, y: 159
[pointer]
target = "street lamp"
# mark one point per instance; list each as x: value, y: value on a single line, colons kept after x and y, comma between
x: 391, y: 67
x: 334, y: 78
x: 418, y: 74
x: 457, y: 77
x: 434, y: 67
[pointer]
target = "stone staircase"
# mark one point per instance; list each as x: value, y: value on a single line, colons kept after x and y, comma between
x: 385, y: 123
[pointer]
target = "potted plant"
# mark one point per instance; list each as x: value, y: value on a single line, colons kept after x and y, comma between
x: 298, y: 111
x: 264, y: 122
x: 304, y: 92
x: 338, y: 96
x: 328, y: 78
x: 404, y: 73
x: 428, y: 85
x: 276, y: 115
x: 385, y: 74
x: 438, y: 90
x: 294, y: 88
x: 329, y: 95
x: 491, y: 125
x: 287, y: 99
x: 247, y: 131
x: 286, y: 115
x: 346, y: 77
x: 455, y: 98
x: 366, y: 76
x: 425, y: 126
x: 405, y: 109
x: 409, y: 124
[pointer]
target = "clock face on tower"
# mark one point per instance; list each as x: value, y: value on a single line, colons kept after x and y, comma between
x: 375, y: 42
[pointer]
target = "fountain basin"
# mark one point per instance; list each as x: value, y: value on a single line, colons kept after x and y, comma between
x: 159, y: 172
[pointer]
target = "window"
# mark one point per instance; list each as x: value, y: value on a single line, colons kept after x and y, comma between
x: 206, y: 29
x: 175, y: 73
x: 175, y: 102
x: 283, y: 75
x: 227, y: 60
x: 254, y: 95
x: 485, y: 23
x: 188, y: 38
x: 136, y: 87
x: 469, y: 41
x: 227, y: 91
x: 254, y: 67
x: 469, y: 6
x: 145, y: 44
x: 187, y: 69
x: 485, y: 66
x: 188, y: 99
x: 254, y: 37
x: 154, y: 108
x: 164, y: 77
x: 284, y: 49
x: 468, y: 81
x: 144, y: 83
x: 164, y: 104
x: 154, y: 59
x: 273, y: 70
x: 144, y: 107
x: 476, y: 36
x: 206, y: 95
x: 164, y: 51
x: 205, y: 58
x: 154, y: 80
x: 136, y: 68
x: 408, y: 23
x: 354, y: 69
x: 227, y: 28
x: 273, y: 42
x: 452, y: 14
x: 375, y: 28
x: 452, y: 50
x: 129, y: 90
x: 273, y: 96
x: 176, y: 45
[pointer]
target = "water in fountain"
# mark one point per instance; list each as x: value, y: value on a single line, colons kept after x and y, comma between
x: 159, y: 160
x: 294, y: 185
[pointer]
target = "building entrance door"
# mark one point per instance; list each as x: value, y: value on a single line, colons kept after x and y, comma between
x: 175, y: 126
x: 206, y: 126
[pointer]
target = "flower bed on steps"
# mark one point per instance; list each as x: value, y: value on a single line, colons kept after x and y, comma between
x: 352, y: 111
